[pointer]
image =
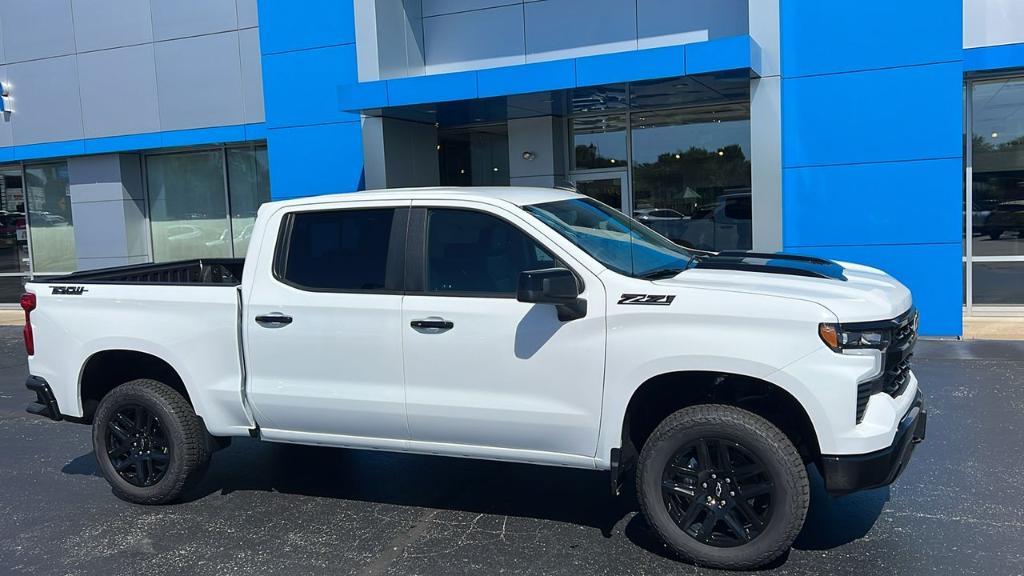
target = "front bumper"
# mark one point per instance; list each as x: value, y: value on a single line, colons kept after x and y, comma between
x: 850, y: 473
x: 45, y: 404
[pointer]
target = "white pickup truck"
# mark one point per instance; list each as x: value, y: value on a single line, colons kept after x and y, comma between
x: 519, y: 324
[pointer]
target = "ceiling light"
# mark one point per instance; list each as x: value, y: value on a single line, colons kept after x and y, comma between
x: 495, y: 168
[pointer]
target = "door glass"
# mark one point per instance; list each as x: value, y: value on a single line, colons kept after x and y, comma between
x: 248, y: 188
x: 691, y: 175
x: 473, y: 252
x: 998, y: 283
x: 187, y: 206
x: 608, y: 190
x: 50, y: 222
x: 599, y: 142
x: 342, y: 250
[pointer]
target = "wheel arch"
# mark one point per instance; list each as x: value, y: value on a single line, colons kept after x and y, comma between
x: 662, y: 394
x: 104, y: 370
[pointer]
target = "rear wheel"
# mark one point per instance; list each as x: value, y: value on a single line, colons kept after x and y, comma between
x: 149, y: 443
x: 722, y: 487
x: 995, y: 234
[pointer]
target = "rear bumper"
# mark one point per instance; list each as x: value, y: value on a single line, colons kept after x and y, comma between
x: 850, y: 473
x: 45, y: 404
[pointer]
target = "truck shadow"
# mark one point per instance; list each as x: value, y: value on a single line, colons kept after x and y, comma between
x: 567, y: 495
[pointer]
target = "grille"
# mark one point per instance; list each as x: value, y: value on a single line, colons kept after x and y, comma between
x: 895, y: 360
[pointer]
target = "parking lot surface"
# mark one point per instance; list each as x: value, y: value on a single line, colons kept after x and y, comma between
x: 276, y: 509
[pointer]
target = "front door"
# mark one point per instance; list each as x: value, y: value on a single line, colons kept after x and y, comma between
x: 483, y: 369
x: 323, y: 326
x: 612, y: 188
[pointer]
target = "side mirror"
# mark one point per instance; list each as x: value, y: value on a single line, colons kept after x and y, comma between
x: 553, y: 286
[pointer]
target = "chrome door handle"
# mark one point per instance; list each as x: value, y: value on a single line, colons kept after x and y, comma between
x: 433, y: 323
x: 274, y: 320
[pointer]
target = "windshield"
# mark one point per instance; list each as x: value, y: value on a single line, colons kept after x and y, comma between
x: 614, y: 239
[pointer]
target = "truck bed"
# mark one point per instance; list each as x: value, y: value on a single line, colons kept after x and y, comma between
x: 207, y: 271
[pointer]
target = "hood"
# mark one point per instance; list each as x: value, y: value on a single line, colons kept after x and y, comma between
x: 854, y: 293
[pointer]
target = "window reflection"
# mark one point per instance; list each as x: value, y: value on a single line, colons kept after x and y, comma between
x: 188, y: 206
x: 48, y: 192
x: 997, y: 142
x: 249, y: 187
x: 599, y: 142
x: 691, y: 175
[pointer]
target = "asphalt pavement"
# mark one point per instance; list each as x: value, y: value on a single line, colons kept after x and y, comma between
x: 276, y: 509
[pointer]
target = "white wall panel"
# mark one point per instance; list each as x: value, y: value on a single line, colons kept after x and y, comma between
x: 993, y: 22
x: 557, y: 29
x: 199, y: 81
x: 472, y: 40
x: 672, y: 22
x: 119, y: 93
x: 436, y: 7
x: 183, y: 18
x: 48, y: 107
x: 34, y: 29
x: 101, y: 24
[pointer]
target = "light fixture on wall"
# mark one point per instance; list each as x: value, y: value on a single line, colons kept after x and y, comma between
x: 529, y: 155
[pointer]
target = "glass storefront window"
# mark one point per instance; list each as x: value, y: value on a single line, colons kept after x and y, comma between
x: 248, y: 188
x: 188, y: 206
x: 48, y: 192
x: 997, y: 142
x: 691, y: 175
x: 998, y: 283
x: 599, y: 142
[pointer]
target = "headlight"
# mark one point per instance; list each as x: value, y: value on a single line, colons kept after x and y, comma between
x: 838, y: 339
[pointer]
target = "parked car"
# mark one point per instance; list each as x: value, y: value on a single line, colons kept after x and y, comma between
x: 518, y: 324
x: 723, y: 224
x: 655, y: 214
x: 1005, y: 217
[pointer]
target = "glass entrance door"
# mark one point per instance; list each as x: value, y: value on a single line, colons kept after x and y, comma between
x: 14, y: 254
x: 612, y: 188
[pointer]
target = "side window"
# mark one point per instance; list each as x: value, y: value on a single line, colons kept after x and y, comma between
x: 338, y: 250
x: 473, y: 252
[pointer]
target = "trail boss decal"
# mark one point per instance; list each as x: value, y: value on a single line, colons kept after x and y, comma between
x: 647, y: 299
x: 68, y: 290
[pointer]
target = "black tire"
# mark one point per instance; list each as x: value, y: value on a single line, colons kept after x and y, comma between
x: 781, y: 488
x: 160, y: 459
x: 995, y: 234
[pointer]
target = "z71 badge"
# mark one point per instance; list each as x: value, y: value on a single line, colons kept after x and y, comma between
x: 647, y: 299
x: 68, y: 290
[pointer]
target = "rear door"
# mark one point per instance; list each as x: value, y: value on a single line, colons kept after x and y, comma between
x: 484, y: 370
x: 324, y: 326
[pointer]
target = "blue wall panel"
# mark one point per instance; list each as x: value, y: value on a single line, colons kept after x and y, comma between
x: 289, y: 25
x: 889, y: 203
x: 539, y: 77
x: 632, y: 65
x: 829, y: 36
x: 301, y: 87
x: 932, y: 272
x: 723, y: 54
x: 994, y: 58
x: 874, y: 116
x: 872, y: 142
x: 321, y: 159
x: 433, y: 88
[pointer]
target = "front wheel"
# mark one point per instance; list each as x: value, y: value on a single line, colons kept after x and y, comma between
x: 722, y: 487
x: 149, y: 443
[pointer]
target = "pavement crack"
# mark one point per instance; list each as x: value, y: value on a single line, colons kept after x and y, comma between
x: 396, y: 548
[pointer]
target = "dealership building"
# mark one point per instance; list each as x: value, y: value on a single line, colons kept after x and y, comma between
x: 880, y: 132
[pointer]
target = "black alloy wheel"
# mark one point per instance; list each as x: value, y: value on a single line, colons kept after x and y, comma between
x: 137, y: 445
x: 718, y: 492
